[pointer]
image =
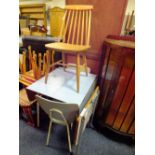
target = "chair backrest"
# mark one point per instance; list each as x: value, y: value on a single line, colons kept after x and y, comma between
x: 69, y: 111
x: 76, y: 24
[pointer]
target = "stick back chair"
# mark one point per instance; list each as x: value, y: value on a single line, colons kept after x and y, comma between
x: 59, y: 113
x: 35, y: 70
x: 75, y: 35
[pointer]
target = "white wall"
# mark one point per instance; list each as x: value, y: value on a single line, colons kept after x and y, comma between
x: 129, y: 9
x: 130, y: 6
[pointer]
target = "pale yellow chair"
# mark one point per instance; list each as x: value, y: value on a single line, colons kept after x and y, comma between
x: 75, y: 35
x: 36, y: 71
x: 59, y: 113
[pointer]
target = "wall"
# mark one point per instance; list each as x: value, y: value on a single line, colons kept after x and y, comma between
x: 130, y: 6
x: 129, y: 9
x: 107, y: 18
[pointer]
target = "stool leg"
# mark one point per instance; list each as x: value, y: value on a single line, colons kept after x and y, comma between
x: 78, y: 71
x: 85, y: 64
x: 68, y: 135
x: 49, y: 132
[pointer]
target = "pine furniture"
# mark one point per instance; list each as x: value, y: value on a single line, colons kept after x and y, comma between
x: 75, y: 34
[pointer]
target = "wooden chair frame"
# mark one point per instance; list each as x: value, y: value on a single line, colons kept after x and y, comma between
x: 35, y: 71
x: 76, y: 17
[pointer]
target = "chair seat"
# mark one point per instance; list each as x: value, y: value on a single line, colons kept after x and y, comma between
x: 23, y: 98
x: 26, y: 79
x: 65, y: 47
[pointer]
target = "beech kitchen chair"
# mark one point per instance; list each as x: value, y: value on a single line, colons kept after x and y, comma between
x: 75, y: 35
x: 58, y: 112
x: 35, y: 70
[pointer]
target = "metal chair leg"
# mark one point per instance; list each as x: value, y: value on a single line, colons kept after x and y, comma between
x: 49, y: 132
x: 38, y: 116
x: 69, y: 141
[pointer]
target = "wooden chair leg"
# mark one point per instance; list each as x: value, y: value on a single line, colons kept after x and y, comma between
x: 69, y: 140
x: 49, y: 132
x: 53, y: 54
x: 78, y: 72
x: 85, y: 64
x: 64, y: 61
x: 47, y: 66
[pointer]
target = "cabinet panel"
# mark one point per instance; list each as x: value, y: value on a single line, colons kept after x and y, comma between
x: 125, y: 104
x: 132, y: 128
x: 129, y: 118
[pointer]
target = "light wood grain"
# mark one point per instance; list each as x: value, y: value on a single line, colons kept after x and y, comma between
x: 64, y: 47
x: 76, y: 36
x: 78, y: 7
x: 70, y: 26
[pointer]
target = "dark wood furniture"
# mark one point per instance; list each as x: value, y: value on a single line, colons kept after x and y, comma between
x: 116, y: 106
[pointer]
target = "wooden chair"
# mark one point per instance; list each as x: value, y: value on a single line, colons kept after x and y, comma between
x: 60, y: 113
x: 35, y: 71
x: 75, y: 34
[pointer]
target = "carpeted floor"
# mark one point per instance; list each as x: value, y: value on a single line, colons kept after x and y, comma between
x: 32, y: 142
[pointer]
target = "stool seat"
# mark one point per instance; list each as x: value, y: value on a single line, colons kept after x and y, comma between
x: 66, y: 47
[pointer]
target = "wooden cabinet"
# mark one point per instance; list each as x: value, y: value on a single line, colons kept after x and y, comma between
x: 116, y: 107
